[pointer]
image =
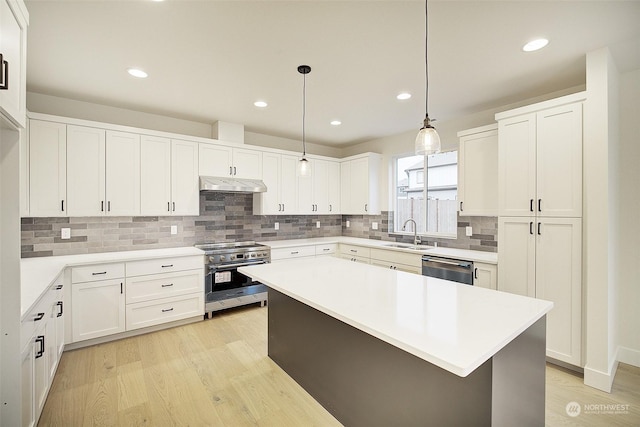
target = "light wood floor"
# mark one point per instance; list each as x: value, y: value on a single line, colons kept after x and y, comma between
x: 217, y: 373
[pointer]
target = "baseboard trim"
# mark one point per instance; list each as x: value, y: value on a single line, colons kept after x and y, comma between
x: 629, y: 356
x: 602, y: 380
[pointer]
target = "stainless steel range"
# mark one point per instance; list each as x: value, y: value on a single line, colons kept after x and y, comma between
x: 224, y: 286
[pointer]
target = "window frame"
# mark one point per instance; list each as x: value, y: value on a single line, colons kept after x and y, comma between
x: 394, y: 195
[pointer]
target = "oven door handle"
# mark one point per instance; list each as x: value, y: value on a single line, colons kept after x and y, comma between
x: 240, y: 264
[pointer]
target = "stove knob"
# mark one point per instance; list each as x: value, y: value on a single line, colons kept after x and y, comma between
x: 253, y: 255
x: 232, y: 257
x: 222, y: 257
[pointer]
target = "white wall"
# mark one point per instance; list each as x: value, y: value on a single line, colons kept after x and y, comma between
x: 629, y: 249
x: 290, y: 144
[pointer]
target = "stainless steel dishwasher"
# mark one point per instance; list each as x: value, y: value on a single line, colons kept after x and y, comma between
x: 455, y: 270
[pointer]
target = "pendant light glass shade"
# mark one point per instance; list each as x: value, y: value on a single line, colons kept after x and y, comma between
x: 304, y: 165
x: 428, y: 140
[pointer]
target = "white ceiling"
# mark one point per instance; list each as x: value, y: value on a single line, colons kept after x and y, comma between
x: 210, y: 60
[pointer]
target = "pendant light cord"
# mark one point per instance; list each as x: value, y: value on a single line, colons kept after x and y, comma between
x: 304, y: 112
x: 426, y: 57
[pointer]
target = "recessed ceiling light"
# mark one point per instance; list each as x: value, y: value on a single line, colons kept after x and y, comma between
x: 336, y: 122
x: 136, y: 72
x: 260, y: 104
x: 535, y: 45
x: 404, y: 95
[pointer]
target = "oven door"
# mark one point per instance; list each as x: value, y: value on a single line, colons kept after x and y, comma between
x: 225, y: 277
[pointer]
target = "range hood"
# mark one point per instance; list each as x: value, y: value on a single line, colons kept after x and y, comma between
x: 231, y: 185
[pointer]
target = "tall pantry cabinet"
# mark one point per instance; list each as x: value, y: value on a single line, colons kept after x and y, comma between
x: 540, y: 214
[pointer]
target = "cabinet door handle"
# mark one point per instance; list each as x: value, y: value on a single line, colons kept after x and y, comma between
x: 97, y: 274
x: 230, y: 170
x: 475, y: 273
x: 531, y: 205
x: 531, y: 227
x: 539, y: 224
x: 461, y: 207
x: 168, y: 206
x: 174, y: 206
x: 330, y: 208
x: 39, y: 316
x: 539, y: 205
x: 59, y: 304
x: 235, y: 172
x: 365, y: 207
x: 283, y: 207
x: 62, y: 204
x: 121, y: 288
x: 109, y: 206
x: 167, y: 266
x: 166, y: 286
x: 40, y: 353
x: 167, y: 310
x: 102, y: 206
x: 5, y: 75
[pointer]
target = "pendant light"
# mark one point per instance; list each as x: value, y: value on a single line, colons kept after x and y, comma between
x: 427, y: 141
x: 304, y: 165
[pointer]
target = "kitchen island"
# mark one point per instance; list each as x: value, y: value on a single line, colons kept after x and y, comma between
x: 381, y: 347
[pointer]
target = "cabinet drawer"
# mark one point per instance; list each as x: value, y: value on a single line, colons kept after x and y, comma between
x: 327, y: 249
x: 397, y: 257
x: 294, y: 252
x: 155, y: 286
x: 93, y: 273
x: 144, y: 314
x: 355, y: 250
x: 37, y: 317
x: 164, y: 265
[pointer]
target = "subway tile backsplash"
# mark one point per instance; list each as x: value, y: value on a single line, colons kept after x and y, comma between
x: 224, y: 217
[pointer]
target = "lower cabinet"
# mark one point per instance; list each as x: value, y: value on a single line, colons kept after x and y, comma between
x: 97, y: 308
x: 395, y: 260
x: 292, y: 252
x: 485, y: 275
x: 42, y: 336
x: 355, y: 253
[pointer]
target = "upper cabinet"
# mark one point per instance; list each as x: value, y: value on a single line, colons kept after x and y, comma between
x: 220, y: 160
x: 478, y: 171
x: 13, y: 66
x: 279, y: 175
x: 540, y: 160
x: 359, y: 184
x: 169, y: 177
x: 47, y: 168
x: 318, y: 193
x: 85, y: 171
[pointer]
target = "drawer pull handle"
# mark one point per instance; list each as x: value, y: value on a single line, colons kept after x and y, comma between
x: 167, y: 310
x: 97, y: 274
x: 59, y: 304
x: 167, y: 266
x: 353, y: 250
x: 166, y: 286
x: 58, y: 287
x: 326, y: 249
x: 294, y: 252
x: 38, y: 317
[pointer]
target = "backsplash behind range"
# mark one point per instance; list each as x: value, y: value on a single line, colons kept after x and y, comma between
x: 224, y: 217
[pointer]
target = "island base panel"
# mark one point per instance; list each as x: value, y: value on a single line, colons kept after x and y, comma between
x: 364, y: 381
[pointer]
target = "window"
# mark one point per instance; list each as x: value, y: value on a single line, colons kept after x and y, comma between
x: 427, y: 193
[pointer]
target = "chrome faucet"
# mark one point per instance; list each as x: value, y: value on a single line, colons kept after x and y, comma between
x: 416, y: 239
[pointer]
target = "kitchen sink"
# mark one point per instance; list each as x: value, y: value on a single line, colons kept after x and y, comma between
x: 411, y: 247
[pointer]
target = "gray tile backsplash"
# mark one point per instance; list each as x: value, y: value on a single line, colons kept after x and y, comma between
x: 224, y: 217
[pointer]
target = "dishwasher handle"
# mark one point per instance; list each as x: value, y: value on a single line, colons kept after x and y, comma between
x: 458, y: 263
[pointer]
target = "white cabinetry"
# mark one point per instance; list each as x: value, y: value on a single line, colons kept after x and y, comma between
x: 485, y: 275
x: 359, y: 185
x: 47, y: 168
x: 279, y: 175
x: 13, y: 67
x: 293, y: 252
x: 540, y: 162
x: 85, y: 171
x: 320, y: 193
x: 540, y: 207
x: 169, y: 177
x: 97, y: 301
x: 185, y: 190
x: 42, y: 338
x: 395, y: 260
x: 122, y: 172
x: 478, y: 171
x: 221, y: 160
x: 355, y: 253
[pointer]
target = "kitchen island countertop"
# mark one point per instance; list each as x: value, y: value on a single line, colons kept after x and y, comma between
x: 454, y: 326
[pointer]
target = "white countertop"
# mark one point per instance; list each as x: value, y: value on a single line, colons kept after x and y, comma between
x: 454, y: 326
x: 464, y: 254
x: 36, y: 274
